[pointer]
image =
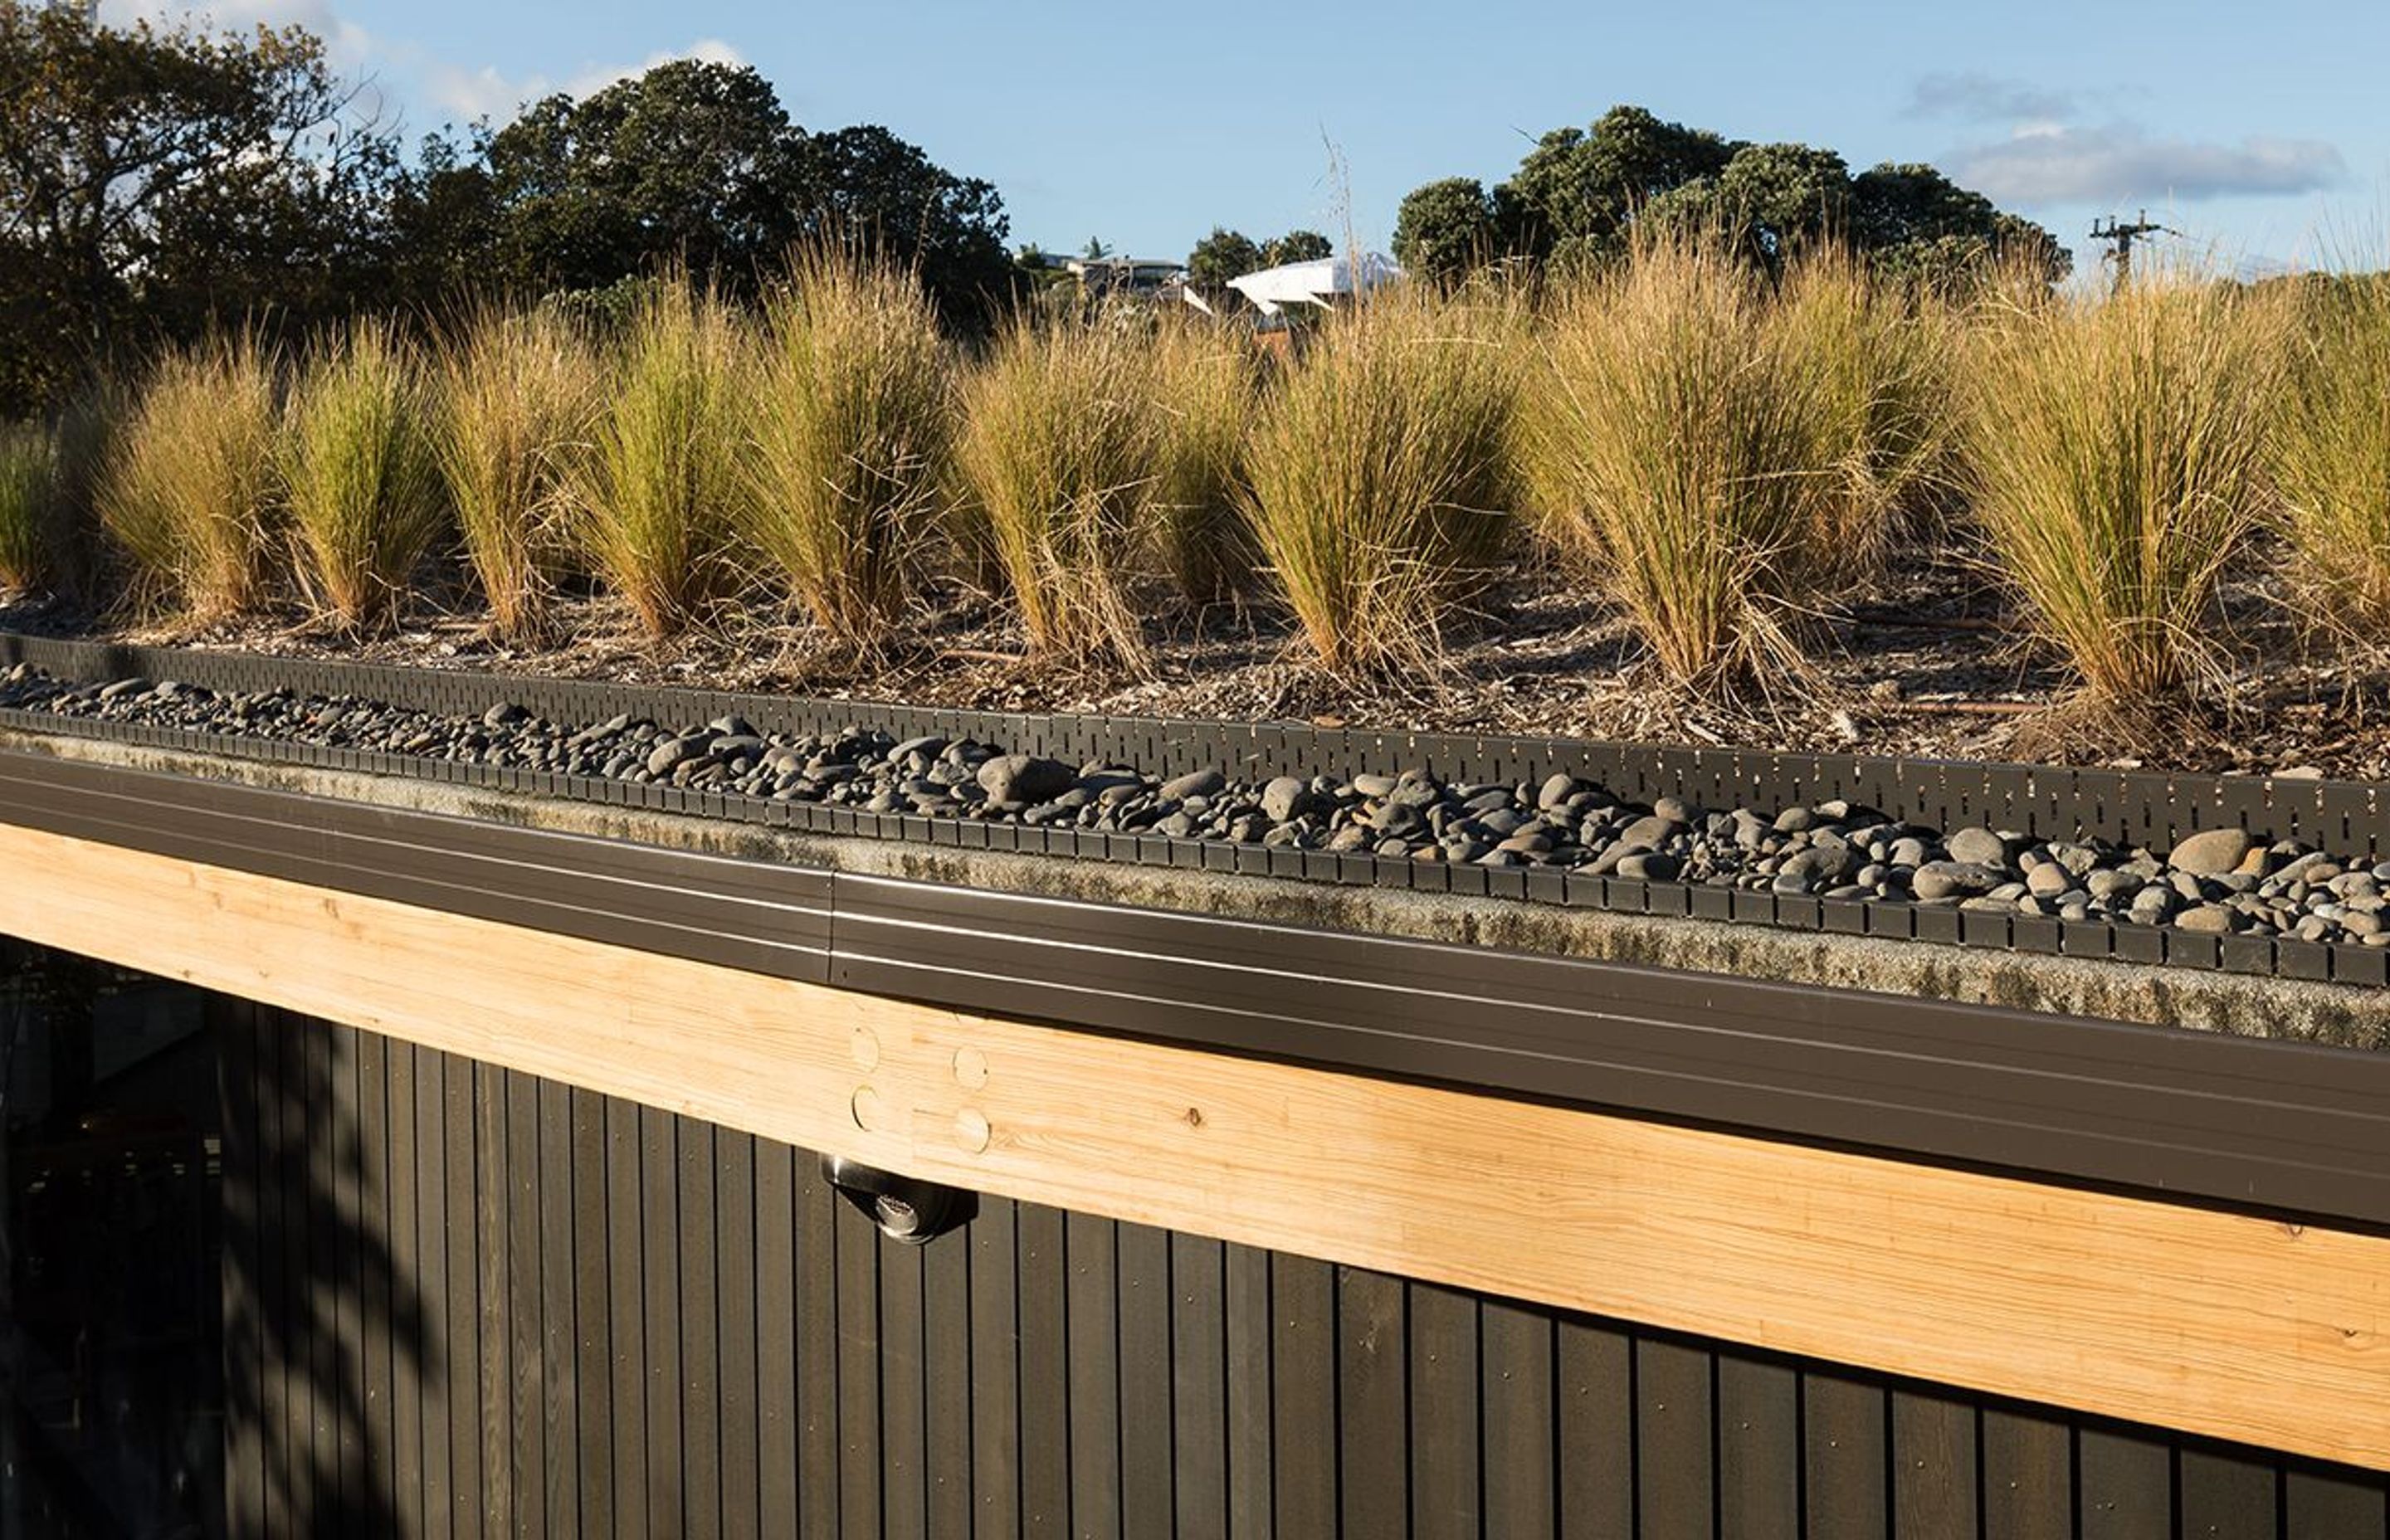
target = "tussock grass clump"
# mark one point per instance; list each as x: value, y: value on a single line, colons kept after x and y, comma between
x: 1060, y: 450
x: 1204, y: 387
x: 361, y: 474
x: 2119, y: 450
x: 1687, y: 449
x: 2331, y: 454
x: 516, y: 397
x: 1885, y: 360
x: 28, y: 490
x: 659, y: 494
x: 191, y: 486
x: 853, y: 430
x: 1379, y: 475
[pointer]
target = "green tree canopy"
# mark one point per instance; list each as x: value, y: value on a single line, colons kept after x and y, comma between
x: 1579, y: 193
x: 1296, y: 246
x: 1447, y: 228
x: 150, y: 177
x: 1222, y: 255
x: 698, y: 162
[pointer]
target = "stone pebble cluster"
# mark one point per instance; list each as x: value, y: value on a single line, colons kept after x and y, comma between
x: 2220, y: 881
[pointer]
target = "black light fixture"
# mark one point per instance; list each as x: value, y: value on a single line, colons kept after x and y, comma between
x: 905, y: 1208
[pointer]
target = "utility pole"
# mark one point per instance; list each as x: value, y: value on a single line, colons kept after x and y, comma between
x: 2119, y: 237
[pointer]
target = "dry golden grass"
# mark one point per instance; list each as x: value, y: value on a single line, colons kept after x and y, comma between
x: 657, y: 500
x: 1058, y: 453
x: 2119, y: 450
x: 1695, y: 447
x: 853, y: 427
x: 28, y: 490
x: 2331, y: 452
x: 1205, y: 386
x: 518, y: 393
x: 1380, y: 482
x: 360, y: 475
x: 190, y: 488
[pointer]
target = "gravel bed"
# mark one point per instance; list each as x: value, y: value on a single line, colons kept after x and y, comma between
x: 2220, y: 881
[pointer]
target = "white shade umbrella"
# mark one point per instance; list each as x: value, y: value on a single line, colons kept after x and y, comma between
x: 1315, y: 282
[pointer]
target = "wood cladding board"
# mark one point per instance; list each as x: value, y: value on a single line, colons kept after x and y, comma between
x: 2224, y: 1325
x: 1034, y: 1372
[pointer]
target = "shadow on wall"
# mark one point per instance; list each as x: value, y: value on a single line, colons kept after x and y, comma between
x: 323, y: 1324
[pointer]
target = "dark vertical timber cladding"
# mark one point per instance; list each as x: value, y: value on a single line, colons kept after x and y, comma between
x: 903, y: 1392
x: 996, y: 1377
x: 2319, y: 1503
x: 1092, y: 1302
x: 660, y: 1324
x: 591, y: 1381
x: 1933, y: 1459
x: 1843, y: 1457
x: 947, y: 1374
x: 1199, y: 1387
x: 409, y: 1365
x: 476, y: 1302
x: 2124, y: 1487
x: 464, y: 1316
x: 494, y: 1248
x: 294, y: 1442
x: 1373, y: 1401
x: 1246, y: 1298
x: 817, y: 1350
x: 626, y: 1321
x: 1302, y: 1363
x: 377, y: 1319
x: 1597, y: 1415
x: 1045, y: 1367
x: 562, y: 1355
x: 1759, y: 1449
x: 1674, y: 1482
x: 431, y: 1231
x: 738, y: 1354
x: 1519, y: 1421
x: 701, y: 1397
x: 776, y: 1339
x: 1146, y: 1505
x: 239, y: 1084
x: 524, y: 1394
x: 2225, y: 1496
x: 860, y: 1476
x: 1445, y: 1395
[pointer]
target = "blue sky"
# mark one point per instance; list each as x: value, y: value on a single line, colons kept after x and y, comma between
x: 2260, y: 133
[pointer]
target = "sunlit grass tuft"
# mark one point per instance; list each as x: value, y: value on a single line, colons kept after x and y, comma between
x: 190, y: 484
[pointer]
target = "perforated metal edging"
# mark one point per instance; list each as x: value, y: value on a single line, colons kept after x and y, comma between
x: 2284, y: 1128
x: 2345, y: 817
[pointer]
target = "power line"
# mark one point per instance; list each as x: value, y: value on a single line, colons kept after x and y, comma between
x: 2119, y: 236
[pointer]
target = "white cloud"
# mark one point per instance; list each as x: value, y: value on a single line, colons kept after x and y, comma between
x: 1976, y: 97
x: 2122, y: 162
x: 486, y: 92
x: 2049, y: 153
